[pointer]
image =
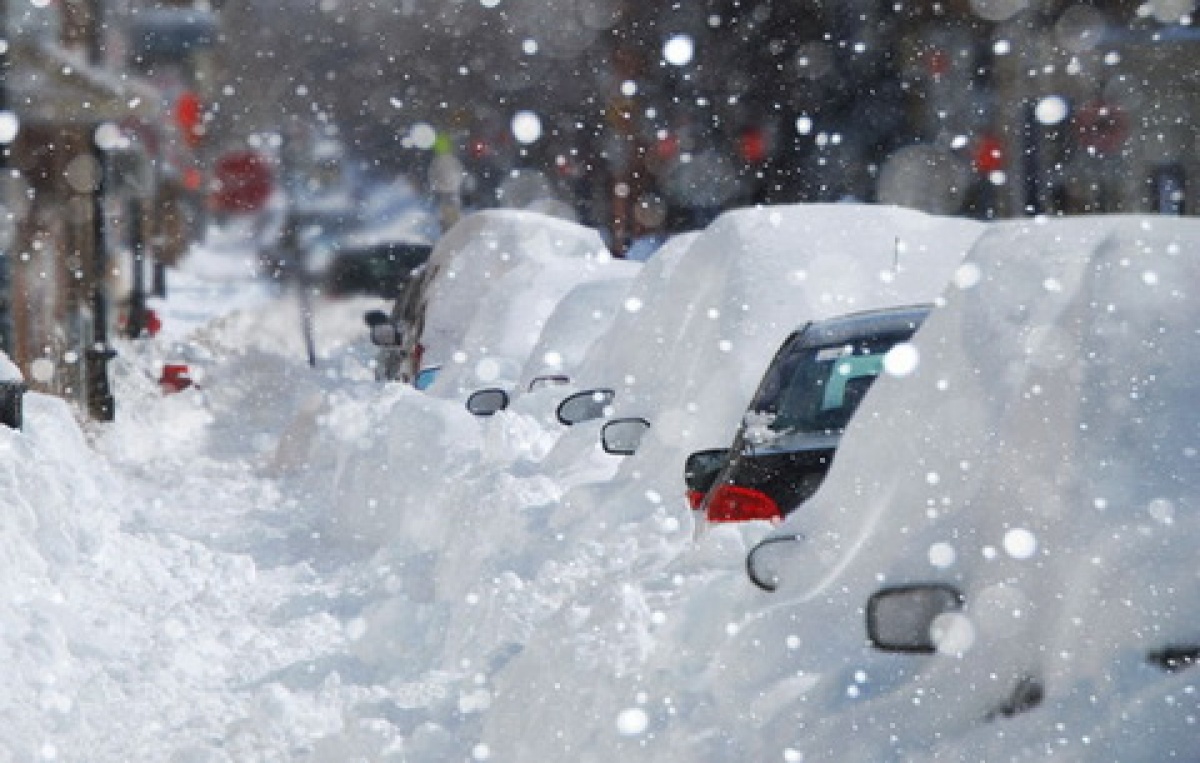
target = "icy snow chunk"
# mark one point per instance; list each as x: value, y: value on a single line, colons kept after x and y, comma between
x: 632, y: 721
x: 42, y: 370
x: 953, y: 633
x: 1162, y: 510
x: 901, y: 360
x: 678, y: 50
x: 9, y: 127
x: 422, y: 135
x: 1020, y: 543
x: 968, y: 275
x: 1051, y: 110
x: 526, y: 127
x: 942, y: 555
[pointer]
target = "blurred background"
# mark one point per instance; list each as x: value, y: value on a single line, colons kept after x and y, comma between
x: 131, y: 128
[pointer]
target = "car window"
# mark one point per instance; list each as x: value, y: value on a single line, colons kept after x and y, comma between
x: 818, y: 389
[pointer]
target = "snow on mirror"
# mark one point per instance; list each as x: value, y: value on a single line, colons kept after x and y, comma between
x: 621, y: 437
x: 585, y: 406
x: 906, y: 619
x: 487, y: 402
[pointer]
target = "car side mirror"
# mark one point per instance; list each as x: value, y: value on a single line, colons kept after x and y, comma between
x: 911, y: 618
x: 766, y: 561
x: 554, y: 380
x: 385, y: 335
x: 585, y: 406
x: 486, y: 402
x: 382, y: 331
x: 703, y: 467
x: 621, y: 437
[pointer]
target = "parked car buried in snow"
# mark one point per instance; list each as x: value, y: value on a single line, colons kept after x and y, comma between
x: 480, y: 302
x: 795, y: 421
x: 1013, y: 522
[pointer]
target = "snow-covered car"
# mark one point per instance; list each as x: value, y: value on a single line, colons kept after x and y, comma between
x: 578, y: 320
x: 1016, y: 518
x: 704, y: 321
x: 794, y: 423
x: 479, y: 304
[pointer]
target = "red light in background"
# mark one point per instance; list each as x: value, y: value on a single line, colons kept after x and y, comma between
x: 989, y: 155
x: 189, y: 117
x: 752, y: 145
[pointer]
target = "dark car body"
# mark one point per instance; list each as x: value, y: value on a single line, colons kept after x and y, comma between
x: 795, y: 420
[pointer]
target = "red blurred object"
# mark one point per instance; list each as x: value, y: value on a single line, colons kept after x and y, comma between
x: 153, y: 323
x: 937, y: 62
x: 192, y: 179
x: 695, y: 498
x: 752, y: 145
x: 174, y: 378
x: 1102, y: 127
x: 732, y: 503
x: 189, y: 117
x: 989, y: 155
x: 667, y: 147
x: 244, y: 182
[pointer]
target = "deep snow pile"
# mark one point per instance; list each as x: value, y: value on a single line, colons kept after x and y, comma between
x: 301, y: 564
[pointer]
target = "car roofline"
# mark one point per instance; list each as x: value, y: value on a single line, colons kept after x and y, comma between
x: 889, y: 320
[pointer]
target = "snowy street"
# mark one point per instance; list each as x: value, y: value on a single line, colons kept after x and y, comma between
x: 288, y: 563
x: 595, y: 381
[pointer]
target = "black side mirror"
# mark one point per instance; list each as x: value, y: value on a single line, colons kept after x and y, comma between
x: 621, y: 437
x: 703, y: 467
x: 585, y: 406
x: 486, y: 402
x: 908, y: 618
x: 766, y: 561
x: 385, y: 335
x: 554, y: 380
x: 383, y: 332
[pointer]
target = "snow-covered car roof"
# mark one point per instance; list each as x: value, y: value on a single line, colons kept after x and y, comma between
x: 581, y: 317
x: 499, y: 274
x: 710, y: 318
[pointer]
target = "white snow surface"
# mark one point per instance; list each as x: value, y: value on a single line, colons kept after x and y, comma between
x: 294, y: 563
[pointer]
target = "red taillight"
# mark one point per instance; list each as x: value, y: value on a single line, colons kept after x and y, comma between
x: 731, y: 503
x: 695, y: 498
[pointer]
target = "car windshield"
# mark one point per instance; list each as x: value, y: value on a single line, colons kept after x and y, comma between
x: 817, y: 389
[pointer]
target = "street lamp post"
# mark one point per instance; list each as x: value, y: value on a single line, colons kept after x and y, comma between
x: 100, y: 400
